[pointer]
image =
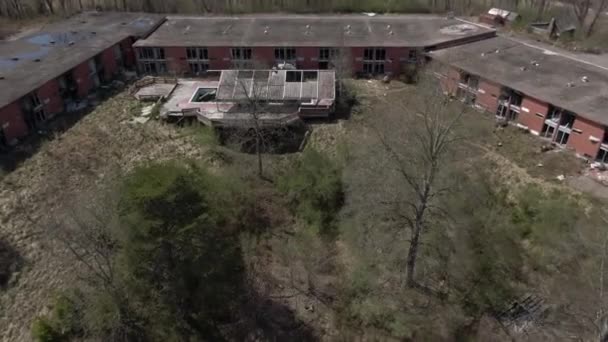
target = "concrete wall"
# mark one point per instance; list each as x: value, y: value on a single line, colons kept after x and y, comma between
x: 533, y: 113
x: 12, y: 123
x: 487, y: 95
x: 580, y: 142
x: 50, y: 97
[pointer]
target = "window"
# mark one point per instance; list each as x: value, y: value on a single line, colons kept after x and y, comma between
x: 323, y: 65
x: 547, y: 131
x: 374, y: 54
x: 240, y: 54
x: 325, y: 54
x: 374, y: 59
x: 412, y: 56
x: 562, y: 137
x: 34, y: 110
x: 602, y: 156
x: 151, y: 53
x: 285, y: 54
x: 197, y: 68
x: 293, y: 76
x: 153, y: 68
x: 196, y: 53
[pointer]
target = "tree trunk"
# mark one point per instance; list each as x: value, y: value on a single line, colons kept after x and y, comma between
x: 598, y: 13
x: 412, y: 255
x: 258, y: 151
x: 541, y: 10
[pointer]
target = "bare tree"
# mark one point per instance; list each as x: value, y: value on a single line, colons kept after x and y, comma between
x: 416, y: 153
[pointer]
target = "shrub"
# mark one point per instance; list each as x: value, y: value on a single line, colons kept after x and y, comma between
x: 44, y: 331
x: 314, y: 189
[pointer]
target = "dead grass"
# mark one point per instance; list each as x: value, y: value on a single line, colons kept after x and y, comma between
x: 87, y: 154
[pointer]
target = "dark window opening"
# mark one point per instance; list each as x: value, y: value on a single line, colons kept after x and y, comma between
x: 323, y: 65
x: 548, y: 131
x: 325, y: 54
x: 197, y: 68
x: 293, y: 76
x: 310, y: 76
x: 602, y: 156
x: 196, y: 53
x: 285, y: 54
x: 374, y: 54
x: 562, y: 137
x: 240, y: 53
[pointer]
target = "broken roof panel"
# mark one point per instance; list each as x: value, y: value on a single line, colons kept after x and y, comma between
x: 313, y: 30
x: 572, y: 84
x: 277, y: 85
x: 29, y: 62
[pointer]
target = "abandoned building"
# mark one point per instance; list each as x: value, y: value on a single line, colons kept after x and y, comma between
x: 382, y: 44
x: 237, y: 97
x: 558, y: 98
x: 51, y: 71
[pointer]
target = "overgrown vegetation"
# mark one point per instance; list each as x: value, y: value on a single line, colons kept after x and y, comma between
x: 313, y: 186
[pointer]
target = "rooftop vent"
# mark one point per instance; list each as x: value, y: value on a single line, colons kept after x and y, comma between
x: 71, y: 43
x: 585, y: 79
x: 15, y: 59
x: 1, y: 78
x: 523, y: 68
x: 497, y: 51
x: 569, y: 84
x: 535, y: 63
x: 83, y: 21
x: 390, y: 32
x: 388, y: 27
x: 123, y: 23
x: 37, y: 60
x: 483, y: 54
x: 52, y: 42
x: 347, y: 27
x: 93, y: 33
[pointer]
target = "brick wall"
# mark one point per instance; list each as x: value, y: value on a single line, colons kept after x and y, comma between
x: 129, y: 52
x: 487, y: 95
x: 220, y: 58
x: 308, y: 57
x: 12, y: 123
x: 177, y: 62
x: 109, y: 63
x: 48, y: 94
x: 580, y: 142
x: 263, y: 56
x: 81, y: 76
x: 533, y: 113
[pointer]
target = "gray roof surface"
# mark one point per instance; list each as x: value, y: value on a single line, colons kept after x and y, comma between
x: 537, y: 72
x: 60, y: 46
x: 273, y: 85
x: 312, y: 30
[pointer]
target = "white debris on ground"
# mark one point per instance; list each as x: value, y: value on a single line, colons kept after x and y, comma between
x: 147, y: 110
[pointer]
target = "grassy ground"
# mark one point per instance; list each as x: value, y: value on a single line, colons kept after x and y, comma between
x: 103, y: 142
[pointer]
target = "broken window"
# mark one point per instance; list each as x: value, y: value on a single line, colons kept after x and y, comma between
x: 323, y: 65
x: 197, y: 53
x: 285, y: 54
x: 602, y: 155
x: 240, y: 53
x: 562, y: 137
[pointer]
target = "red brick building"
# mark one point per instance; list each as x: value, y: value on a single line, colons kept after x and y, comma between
x: 555, y: 97
x: 366, y: 45
x: 47, y: 72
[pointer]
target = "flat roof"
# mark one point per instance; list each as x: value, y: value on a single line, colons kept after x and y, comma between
x: 277, y: 85
x: 29, y: 62
x: 312, y: 30
x: 543, y: 74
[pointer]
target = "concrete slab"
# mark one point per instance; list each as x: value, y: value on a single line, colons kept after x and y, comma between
x: 155, y: 91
